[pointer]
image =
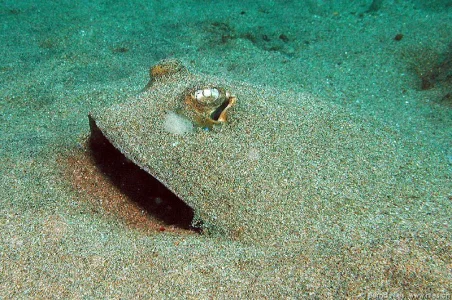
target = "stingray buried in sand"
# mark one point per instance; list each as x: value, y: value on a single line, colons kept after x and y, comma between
x: 248, y: 159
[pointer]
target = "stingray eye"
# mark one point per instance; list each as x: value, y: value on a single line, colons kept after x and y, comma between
x: 210, y: 104
x: 207, y: 97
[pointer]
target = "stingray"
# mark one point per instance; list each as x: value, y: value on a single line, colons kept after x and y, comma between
x: 254, y: 163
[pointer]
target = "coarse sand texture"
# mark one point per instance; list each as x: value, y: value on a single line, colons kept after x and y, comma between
x: 194, y: 149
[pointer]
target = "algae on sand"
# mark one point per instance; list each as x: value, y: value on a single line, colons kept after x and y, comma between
x: 284, y: 163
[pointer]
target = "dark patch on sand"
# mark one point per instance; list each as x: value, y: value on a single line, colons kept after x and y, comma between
x: 116, y: 187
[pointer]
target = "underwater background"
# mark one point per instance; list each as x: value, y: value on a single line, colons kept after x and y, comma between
x: 67, y: 231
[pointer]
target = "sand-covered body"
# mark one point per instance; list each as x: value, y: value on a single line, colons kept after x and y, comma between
x: 283, y: 159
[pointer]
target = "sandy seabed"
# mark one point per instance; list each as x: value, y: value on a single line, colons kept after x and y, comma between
x: 69, y: 231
